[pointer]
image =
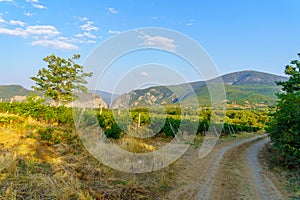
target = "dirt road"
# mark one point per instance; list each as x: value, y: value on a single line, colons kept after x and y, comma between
x: 231, y: 171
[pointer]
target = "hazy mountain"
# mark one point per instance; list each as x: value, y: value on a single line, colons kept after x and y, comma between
x: 19, y: 93
x: 106, y: 96
x: 87, y: 100
x: 9, y: 91
x: 250, y: 77
x: 244, y: 87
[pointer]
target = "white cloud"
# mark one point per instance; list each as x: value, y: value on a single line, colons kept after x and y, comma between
x: 158, y: 42
x: 82, y: 19
x: 86, y: 34
x: 190, y: 23
x: 112, y: 10
x: 55, y: 44
x: 68, y: 39
x: 35, y: 3
x: 17, y: 22
x: 28, y: 14
x: 14, y: 32
x: 143, y: 74
x: 88, y: 26
x: 113, y: 32
x: 39, y: 6
x: 90, y: 41
x: 2, y: 21
x: 45, y: 30
x: 79, y: 40
x: 6, y: 1
x: 42, y: 30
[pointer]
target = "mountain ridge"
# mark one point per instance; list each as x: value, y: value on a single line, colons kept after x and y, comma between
x: 242, y: 87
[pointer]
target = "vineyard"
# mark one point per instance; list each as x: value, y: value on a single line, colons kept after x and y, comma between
x: 164, y: 124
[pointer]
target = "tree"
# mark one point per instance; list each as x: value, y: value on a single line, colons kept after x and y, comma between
x: 61, y: 79
x: 285, y: 121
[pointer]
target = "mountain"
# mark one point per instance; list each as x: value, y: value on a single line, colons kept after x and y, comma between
x: 250, y: 77
x: 242, y: 88
x: 19, y: 93
x: 10, y: 91
x: 107, y: 97
x: 87, y: 100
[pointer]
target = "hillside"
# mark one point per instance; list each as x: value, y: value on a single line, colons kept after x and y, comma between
x: 250, y: 77
x: 107, y: 97
x: 242, y: 88
x: 18, y: 93
x: 9, y: 91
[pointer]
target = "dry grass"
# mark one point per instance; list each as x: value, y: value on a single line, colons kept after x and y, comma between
x: 289, y: 178
x: 135, y: 145
x: 35, y: 169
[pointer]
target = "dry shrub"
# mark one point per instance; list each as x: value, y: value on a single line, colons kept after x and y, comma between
x: 135, y: 145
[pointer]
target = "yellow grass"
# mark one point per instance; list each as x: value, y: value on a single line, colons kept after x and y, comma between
x: 35, y: 169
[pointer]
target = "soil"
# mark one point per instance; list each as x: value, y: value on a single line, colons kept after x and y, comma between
x: 232, y: 170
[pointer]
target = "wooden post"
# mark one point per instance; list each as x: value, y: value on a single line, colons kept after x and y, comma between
x: 11, y: 100
x: 139, y: 120
x: 232, y: 130
x: 230, y: 133
x: 216, y: 132
x: 101, y: 110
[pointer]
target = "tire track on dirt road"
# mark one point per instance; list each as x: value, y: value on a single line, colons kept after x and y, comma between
x: 206, y: 188
x: 265, y: 186
x: 208, y: 178
x: 195, y: 179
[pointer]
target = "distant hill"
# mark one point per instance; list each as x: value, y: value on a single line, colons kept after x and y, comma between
x: 107, y: 97
x: 250, y: 77
x: 9, y: 91
x: 19, y: 93
x: 87, y: 100
x: 242, y: 88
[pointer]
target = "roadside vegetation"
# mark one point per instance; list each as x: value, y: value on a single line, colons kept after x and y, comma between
x: 284, y: 127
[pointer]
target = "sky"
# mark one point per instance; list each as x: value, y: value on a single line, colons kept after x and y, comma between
x: 237, y: 35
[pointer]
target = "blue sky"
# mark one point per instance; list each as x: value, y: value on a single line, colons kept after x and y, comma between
x: 238, y: 35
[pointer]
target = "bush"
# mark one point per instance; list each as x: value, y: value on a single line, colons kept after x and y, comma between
x: 284, y: 126
x: 113, y: 132
x: 39, y: 111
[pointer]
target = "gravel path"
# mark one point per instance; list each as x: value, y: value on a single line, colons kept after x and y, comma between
x: 207, y: 178
x: 264, y: 184
x: 205, y: 189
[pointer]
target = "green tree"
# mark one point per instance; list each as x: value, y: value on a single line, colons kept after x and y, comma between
x: 61, y: 79
x: 285, y: 121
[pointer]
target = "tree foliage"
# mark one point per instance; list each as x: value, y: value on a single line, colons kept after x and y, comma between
x: 285, y: 122
x: 61, y: 79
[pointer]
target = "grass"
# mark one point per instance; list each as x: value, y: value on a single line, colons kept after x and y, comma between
x: 293, y: 183
x: 34, y: 166
x: 135, y: 145
x: 238, y: 136
x: 290, y: 177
